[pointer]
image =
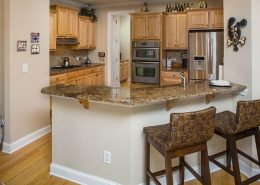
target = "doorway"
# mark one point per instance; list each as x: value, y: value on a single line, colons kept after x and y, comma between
x: 118, y: 48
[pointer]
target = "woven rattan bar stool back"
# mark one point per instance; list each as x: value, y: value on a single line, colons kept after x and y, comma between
x: 234, y: 127
x: 185, y: 134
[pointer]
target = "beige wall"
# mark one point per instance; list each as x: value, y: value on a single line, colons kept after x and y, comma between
x: 255, y: 58
x: 102, y: 21
x: 1, y: 57
x: 125, y: 37
x: 26, y: 109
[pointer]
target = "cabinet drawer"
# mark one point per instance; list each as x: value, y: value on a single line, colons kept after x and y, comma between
x: 95, y: 69
x: 170, y: 74
x: 170, y: 80
x: 71, y: 75
x: 81, y: 73
x: 57, y: 79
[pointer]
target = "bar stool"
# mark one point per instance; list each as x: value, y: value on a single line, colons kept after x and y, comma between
x: 187, y: 133
x: 234, y: 127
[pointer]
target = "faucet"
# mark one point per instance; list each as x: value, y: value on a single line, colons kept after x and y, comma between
x: 183, y: 79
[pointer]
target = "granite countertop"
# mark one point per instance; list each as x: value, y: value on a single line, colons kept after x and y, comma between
x: 140, y: 96
x: 181, y: 69
x: 85, y: 66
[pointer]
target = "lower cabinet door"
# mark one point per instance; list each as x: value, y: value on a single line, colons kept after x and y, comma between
x: 72, y: 81
x: 81, y: 81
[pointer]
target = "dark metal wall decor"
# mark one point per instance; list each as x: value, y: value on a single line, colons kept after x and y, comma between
x: 179, y: 7
x: 234, y: 33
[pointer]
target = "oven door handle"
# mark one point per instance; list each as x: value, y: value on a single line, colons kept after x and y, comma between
x: 146, y: 62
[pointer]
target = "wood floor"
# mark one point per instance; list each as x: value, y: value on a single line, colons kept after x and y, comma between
x: 30, y: 166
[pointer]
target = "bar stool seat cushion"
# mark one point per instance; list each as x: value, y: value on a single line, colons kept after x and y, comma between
x: 226, y: 122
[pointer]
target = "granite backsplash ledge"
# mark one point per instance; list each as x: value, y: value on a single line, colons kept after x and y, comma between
x: 67, y: 51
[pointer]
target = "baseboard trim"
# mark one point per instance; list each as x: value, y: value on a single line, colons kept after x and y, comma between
x: 77, y: 176
x: 11, y: 148
x: 87, y: 179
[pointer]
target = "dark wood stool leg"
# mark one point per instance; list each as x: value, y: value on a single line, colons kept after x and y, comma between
x: 228, y: 160
x: 181, y: 171
x: 205, y: 172
x: 147, y: 147
x: 168, y: 168
x: 257, y: 142
x: 235, y: 162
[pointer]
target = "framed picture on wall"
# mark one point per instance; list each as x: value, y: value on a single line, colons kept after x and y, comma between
x: 35, y: 37
x: 21, y: 45
x: 35, y: 49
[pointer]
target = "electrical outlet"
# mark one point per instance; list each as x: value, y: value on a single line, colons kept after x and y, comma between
x: 78, y: 58
x: 107, y: 157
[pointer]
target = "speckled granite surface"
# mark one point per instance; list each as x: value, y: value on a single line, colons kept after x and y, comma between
x: 140, y: 96
x: 62, y: 71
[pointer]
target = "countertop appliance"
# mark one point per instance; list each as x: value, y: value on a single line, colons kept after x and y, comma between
x: 146, y: 61
x: 66, y: 61
x: 146, y: 51
x: 206, y: 50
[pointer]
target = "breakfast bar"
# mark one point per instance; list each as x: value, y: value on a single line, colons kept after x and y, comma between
x: 89, y: 122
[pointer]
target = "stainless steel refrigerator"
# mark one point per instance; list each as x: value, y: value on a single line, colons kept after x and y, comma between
x: 205, y: 54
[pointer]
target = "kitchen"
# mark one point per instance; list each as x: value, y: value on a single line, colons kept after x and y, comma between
x: 169, y: 50
x: 68, y: 110
x: 154, y: 61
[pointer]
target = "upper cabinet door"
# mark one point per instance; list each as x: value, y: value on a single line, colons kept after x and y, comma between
x: 91, y: 34
x: 138, y: 27
x: 182, y: 33
x: 216, y: 19
x: 198, y: 19
x: 53, y: 30
x: 82, y: 33
x: 73, y: 23
x: 153, y: 27
x: 170, y: 34
x: 63, y: 17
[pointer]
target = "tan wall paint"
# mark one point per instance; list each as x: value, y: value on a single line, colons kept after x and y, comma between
x: 102, y: 22
x: 125, y: 37
x: 1, y: 57
x: 26, y: 109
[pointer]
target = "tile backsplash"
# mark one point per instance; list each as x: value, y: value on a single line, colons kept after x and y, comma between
x: 66, y: 51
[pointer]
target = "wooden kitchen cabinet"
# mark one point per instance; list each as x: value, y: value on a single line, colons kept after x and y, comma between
x: 53, y: 30
x: 145, y: 26
x: 95, y: 79
x: 95, y: 76
x: 205, y: 19
x: 175, y: 31
x: 217, y: 19
x: 67, y: 22
x: 85, y: 77
x: 72, y: 78
x: 124, y: 71
x: 172, y: 77
x: 86, y: 33
x: 58, y: 79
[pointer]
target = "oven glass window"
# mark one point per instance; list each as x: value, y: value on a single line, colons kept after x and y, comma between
x: 145, y: 53
x: 145, y: 72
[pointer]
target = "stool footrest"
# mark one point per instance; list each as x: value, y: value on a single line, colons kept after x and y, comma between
x: 153, y: 177
x: 213, y: 160
x: 163, y: 172
x: 217, y: 155
x: 248, y: 157
x: 250, y: 180
x: 193, y: 172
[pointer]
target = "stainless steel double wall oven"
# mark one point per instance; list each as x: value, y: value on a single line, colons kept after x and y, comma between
x: 146, y: 61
